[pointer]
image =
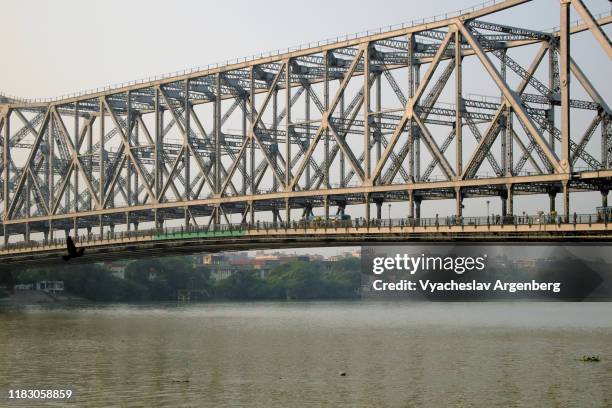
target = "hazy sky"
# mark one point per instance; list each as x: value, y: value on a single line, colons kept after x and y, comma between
x: 56, y: 47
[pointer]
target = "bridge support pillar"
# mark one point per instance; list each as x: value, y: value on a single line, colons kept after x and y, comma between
x: 551, y: 197
x: 459, y: 202
x: 417, y: 207
x: 287, y: 212
x: 504, y: 202
x: 127, y: 221
x: 217, y: 217
x: 341, y: 208
x: 566, y: 201
x: 187, y: 218
x: 275, y: 216
x: 410, y: 204
x: 26, y: 234
x: 88, y: 232
x: 604, y: 198
x: 75, y: 227
x: 51, y: 230
x: 135, y: 225
x: 5, y: 232
x: 367, y: 208
x: 326, y: 206
x: 510, y: 201
x: 46, y: 236
x: 379, y: 203
x: 252, y: 212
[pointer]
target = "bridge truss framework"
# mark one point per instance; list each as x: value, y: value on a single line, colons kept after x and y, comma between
x: 308, y: 129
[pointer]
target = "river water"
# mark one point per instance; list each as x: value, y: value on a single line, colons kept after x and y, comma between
x: 291, y: 354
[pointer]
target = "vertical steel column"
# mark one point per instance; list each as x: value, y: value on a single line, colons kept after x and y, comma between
x: 51, y: 175
x: 409, y: 128
x: 187, y: 142
x: 135, y: 175
x: 458, y: 202
x: 410, y: 203
x: 552, y: 195
x: 90, y: 159
x: 329, y: 117
x: 510, y: 199
x: 342, y: 159
x: 243, y: 164
x: 274, y: 146
x: 101, y: 155
x: 606, y: 141
x: 378, y: 118
x: 217, y: 123
x: 158, y: 138
x: 252, y: 152
x: 458, y: 108
x: 566, y: 200
x: 366, y: 112
x: 6, y: 158
x: 307, y: 118
x: 417, y: 133
x: 504, y: 130
x: 564, y: 40
x: 287, y: 122
x: 552, y: 69
x: 76, y: 158
x: 128, y: 131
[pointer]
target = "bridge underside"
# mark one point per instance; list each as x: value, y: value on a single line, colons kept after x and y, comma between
x: 359, y: 122
x: 177, y: 242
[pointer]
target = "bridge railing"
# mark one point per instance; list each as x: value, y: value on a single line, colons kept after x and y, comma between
x: 237, y: 229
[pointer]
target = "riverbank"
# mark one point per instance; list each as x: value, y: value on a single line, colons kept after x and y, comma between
x: 27, y: 297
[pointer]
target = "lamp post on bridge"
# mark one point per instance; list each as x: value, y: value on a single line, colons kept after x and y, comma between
x: 488, y: 202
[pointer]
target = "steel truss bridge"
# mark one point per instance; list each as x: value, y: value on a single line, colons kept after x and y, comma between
x: 351, y: 123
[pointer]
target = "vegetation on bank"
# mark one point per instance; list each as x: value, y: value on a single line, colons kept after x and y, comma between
x: 165, y: 278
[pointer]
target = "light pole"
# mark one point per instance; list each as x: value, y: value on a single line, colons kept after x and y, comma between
x: 389, y: 213
x: 488, y: 202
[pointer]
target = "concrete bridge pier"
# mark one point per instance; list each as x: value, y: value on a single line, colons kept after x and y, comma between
x: 367, y: 208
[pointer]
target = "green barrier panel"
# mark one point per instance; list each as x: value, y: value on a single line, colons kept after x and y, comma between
x: 199, y: 234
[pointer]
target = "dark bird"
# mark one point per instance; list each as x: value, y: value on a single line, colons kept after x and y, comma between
x: 73, y: 251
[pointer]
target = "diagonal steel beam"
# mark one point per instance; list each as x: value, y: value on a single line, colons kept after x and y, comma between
x: 409, y: 107
x: 511, y: 98
x: 589, y: 20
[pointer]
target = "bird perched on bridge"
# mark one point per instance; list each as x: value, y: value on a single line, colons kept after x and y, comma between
x: 73, y: 251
